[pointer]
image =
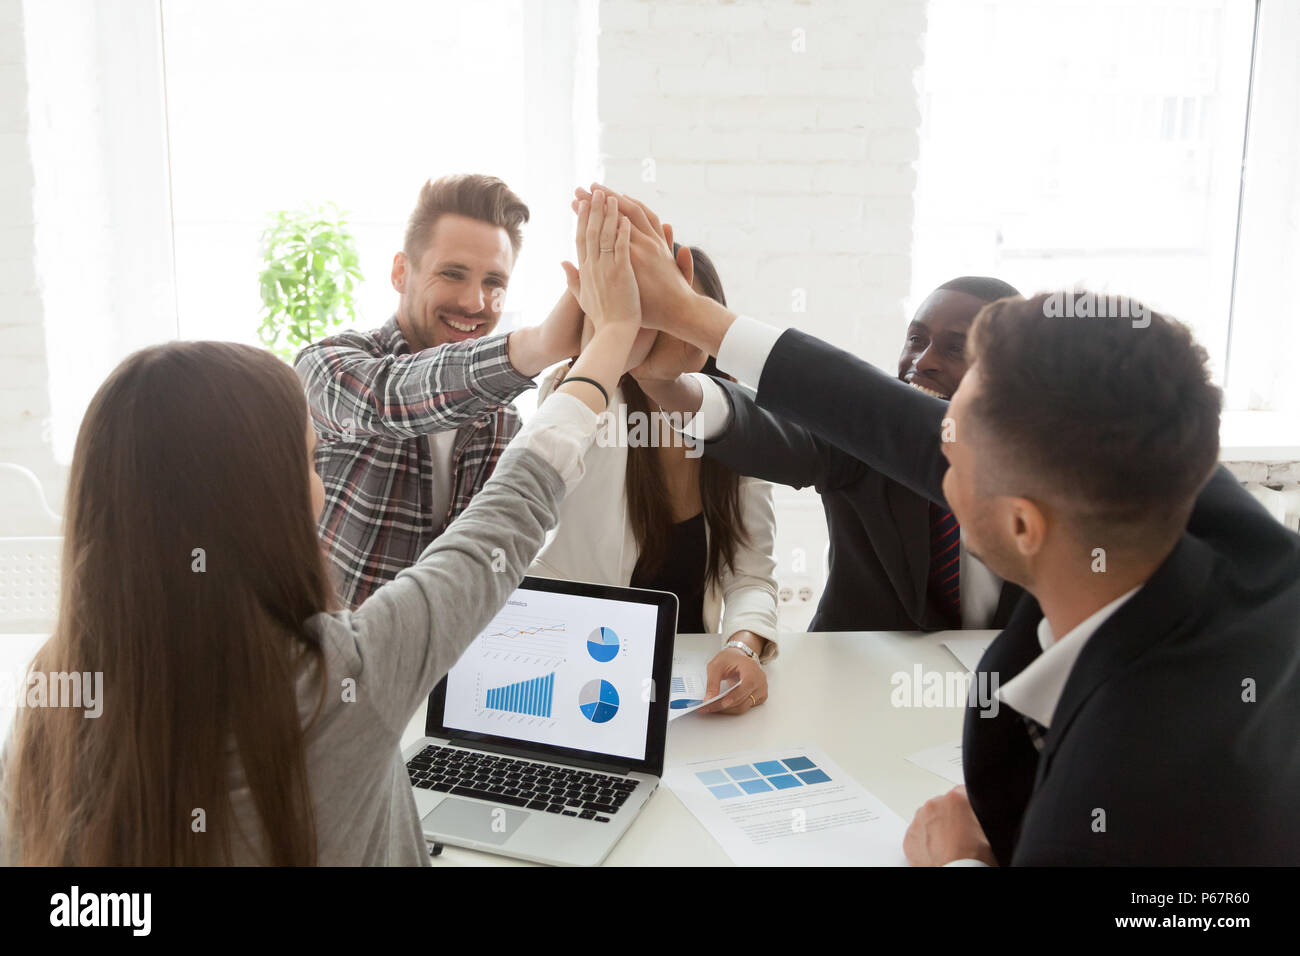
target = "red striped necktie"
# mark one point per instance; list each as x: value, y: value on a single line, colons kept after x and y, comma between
x: 945, y: 562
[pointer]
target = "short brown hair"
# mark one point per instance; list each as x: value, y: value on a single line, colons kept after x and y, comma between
x: 473, y: 195
x: 1114, y: 420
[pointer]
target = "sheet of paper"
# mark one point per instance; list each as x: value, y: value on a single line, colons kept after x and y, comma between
x: 681, y: 706
x: 788, y: 807
x: 689, y: 669
x: 967, y: 650
x: 690, y: 680
x: 944, y: 760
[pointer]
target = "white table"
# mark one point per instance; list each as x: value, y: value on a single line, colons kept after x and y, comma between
x: 831, y: 691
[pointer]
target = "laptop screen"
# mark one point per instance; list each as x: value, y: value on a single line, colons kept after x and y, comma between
x: 570, y: 667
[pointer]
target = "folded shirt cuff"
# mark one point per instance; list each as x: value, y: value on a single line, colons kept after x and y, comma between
x: 714, y: 417
x: 745, y: 348
x: 492, y: 376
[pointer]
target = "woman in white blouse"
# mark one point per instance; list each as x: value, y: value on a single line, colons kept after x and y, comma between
x: 651, y: 512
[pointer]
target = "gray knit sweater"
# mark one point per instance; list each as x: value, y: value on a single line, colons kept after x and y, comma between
x: 395, y: 647
x: 383, y: 659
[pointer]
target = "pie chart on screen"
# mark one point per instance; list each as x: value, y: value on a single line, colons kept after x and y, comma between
x: 598, y: 701
x: 602, y: 644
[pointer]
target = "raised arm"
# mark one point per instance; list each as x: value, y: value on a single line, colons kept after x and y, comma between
x: 763, y: 445
x: 412, y: 630
x: 748, y: 439
x: 854, y: 406
x: 354, y: 393
x: 889, y: 426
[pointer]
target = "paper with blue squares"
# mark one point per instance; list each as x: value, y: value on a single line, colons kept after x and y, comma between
x: 762, y: 776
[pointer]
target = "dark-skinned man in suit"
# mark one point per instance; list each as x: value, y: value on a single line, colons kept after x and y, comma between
x: 896, y: 561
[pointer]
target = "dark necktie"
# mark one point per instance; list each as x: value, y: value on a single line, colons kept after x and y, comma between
x: 945, y: 562
x: 1036, y: 731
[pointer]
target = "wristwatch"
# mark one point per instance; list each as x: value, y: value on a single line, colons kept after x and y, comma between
x: 741, y: 645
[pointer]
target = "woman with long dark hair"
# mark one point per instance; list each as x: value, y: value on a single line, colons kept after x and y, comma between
x: 246, y: 719
x: 653, y: 513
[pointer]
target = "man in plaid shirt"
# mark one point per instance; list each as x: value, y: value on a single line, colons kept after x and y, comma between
x: 411, y: 418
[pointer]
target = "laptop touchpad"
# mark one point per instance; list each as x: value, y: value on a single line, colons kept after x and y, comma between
x: 480, y: 822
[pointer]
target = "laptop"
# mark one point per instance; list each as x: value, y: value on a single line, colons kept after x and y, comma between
x: 547, y: 738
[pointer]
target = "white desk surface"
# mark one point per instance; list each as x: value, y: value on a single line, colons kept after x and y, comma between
x: 831, y: 691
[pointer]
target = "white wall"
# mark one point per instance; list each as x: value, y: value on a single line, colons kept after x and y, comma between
x: 779, y: 136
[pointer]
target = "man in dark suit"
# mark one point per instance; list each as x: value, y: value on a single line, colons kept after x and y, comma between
x: 895, y: 562
x: 1152, y: 671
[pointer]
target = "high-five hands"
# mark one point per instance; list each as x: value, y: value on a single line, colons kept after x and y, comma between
x: 606, y: 289
x: 606, y: 286
x: 666, y: 357
x: 661, y: 277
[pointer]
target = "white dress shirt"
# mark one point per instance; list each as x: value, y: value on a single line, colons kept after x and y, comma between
x: 442, y: 449
x: 743, y: 353
x: 1036, y: 690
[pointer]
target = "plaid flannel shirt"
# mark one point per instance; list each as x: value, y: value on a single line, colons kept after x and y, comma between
x: 374, y: 404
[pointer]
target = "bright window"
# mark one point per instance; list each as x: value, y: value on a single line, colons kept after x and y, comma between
x: 1068, y: 143
x: 358, y: 104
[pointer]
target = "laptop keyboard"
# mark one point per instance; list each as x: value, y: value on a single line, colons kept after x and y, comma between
x: 520, y: 783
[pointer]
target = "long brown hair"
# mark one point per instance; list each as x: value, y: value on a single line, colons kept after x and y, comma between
x: 647, y: 495
x: 186, y: 446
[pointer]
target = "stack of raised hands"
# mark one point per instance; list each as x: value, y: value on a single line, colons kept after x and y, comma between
x: 640, y: 268
x: 605, y: 287
x: 675, y: 318
x: 636, y: 293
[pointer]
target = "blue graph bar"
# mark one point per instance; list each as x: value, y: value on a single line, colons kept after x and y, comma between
x: 531, y: 697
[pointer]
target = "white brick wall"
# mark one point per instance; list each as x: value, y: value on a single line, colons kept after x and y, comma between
x: 24, y: 393
x: 793, y: 170
x: 780, y: 136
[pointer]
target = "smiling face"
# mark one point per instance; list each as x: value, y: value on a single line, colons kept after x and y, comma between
x: 934, y: 351
x: 1003, y: 531
x: 456, y: 289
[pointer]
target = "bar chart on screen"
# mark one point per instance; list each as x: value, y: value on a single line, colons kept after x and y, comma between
x: 532, y: 697
x: 528, y: 702
x: 559, y: 669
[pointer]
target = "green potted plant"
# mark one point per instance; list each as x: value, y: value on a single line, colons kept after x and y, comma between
x: 311, y: 270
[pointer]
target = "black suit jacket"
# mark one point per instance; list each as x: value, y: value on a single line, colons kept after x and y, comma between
x: 1176, y: 740
x: 879, y: 529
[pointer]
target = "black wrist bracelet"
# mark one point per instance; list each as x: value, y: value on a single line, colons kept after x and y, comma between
x: 589, y: 381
